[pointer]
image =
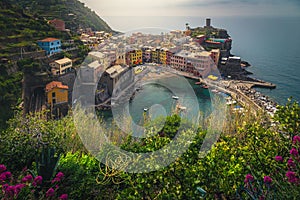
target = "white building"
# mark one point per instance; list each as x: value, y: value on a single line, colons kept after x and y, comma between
x: 59, y: 67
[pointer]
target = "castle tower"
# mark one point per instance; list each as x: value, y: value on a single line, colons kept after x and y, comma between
x: 208, y: 22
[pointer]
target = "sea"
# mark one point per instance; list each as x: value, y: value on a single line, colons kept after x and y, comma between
x: 270, y: 44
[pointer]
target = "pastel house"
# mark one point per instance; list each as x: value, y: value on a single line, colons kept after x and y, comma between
x: 61, y: 66
x: 56, y: 93
x: 50, y: 45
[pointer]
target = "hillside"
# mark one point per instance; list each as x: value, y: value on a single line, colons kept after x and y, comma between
x: 21, y: 30
x: 73, y: 12
x: 22, y: 23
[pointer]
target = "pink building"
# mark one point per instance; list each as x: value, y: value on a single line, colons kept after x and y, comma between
x: 58, y: 24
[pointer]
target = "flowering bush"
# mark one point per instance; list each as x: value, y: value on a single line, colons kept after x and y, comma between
x: 28, y: 187
x: 293, y: 163
x: 255, y: 189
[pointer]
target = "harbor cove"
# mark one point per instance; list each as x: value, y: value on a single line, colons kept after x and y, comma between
x: 145, y: 100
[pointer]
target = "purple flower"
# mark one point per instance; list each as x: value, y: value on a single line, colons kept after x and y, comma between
x: 50, y: 192
x: 296, y: 139
x: 291, y: 177
x: 249, y: 178
x: 63, y: 197
x: 291, y: 163
x: 55, y: 180
x: 278, y: 158
x: 4, y: 176
x: 10, y: 190
x: 294, y: 152
x: 2, y: 168
x: 267, y: 179
x: 37, y: 181
x: 27, y: 178
x: 18, y: 188
x: 60, y: 175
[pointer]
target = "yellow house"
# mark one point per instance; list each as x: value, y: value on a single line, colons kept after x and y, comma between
x: 56, y: 93
x: 136, y: 57
x: 163, y: 57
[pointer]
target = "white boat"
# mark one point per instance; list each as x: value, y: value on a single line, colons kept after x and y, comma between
x: 146, y: 109
x: 175, y: 97
x: 231, y: 102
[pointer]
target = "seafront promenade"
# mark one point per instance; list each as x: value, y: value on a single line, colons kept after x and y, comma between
x: 242, y: 92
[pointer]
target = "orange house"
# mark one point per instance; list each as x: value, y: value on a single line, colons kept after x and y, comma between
x: 56, y: 93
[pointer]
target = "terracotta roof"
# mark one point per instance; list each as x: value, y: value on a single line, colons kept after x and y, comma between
x: 55, y: 84
x: 48, y: 40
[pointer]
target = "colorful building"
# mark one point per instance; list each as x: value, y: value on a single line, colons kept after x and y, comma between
x: 163, y: 56
x: 56, y: 93
x: 215, y: 55
x: 155, y: 55
x: 134, y: 57
x: 50, y: 45
x: 61, y: 66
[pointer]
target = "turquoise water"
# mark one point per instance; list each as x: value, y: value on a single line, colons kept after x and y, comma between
x: 160, y: 96
x: 270, y: 45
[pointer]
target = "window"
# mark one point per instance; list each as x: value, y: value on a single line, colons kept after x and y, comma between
x: 53, y: 94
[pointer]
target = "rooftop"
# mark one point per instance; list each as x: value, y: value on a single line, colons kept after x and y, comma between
x: 55, y: 84
x: 115, y: 70
x: 63, y: 61
x: 48, y: 40
x: 94, y: 64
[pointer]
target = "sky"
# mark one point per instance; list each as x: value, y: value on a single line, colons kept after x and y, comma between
x: 195, y: 7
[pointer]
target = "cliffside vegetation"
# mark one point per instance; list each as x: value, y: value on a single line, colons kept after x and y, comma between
x: 22, y: 23
x: 268, y: 156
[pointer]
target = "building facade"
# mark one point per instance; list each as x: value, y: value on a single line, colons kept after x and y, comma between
x: 56, y: 93
x: 50, y: 45
x: 61, y: 66
x: 58, y: 24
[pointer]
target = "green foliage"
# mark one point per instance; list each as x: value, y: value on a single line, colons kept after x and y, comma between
x: 80, y: 171
x: 24, y: 139
x: 250, y: 150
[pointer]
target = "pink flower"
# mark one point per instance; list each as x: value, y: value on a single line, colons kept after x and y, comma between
x: 291, y: 177
x: 63, y: 197
x: 2, y: 168
x: 10, y: 190
x: 27, y: 178
x: 294, y: 152
x: 37, y: 181
x: 249, y: 178
x: 278, y: 158
x: 267, y: 179
x: 50, y: 192
x: 18, y: 188
x: 58, y: 177
x: 296, y: 139
x: 291, y: 163
x: 4, y: 176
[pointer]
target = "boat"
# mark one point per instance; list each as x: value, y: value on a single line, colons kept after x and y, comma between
x: 146, y: 109
x: 205, y: 86
x: 198, y: 83
x: 230, y: 102
x: 175, y: 97
x: 212, y: 77
x: 215, y: 91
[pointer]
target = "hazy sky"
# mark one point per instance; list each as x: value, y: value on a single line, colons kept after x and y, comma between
x: 194, y: 7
